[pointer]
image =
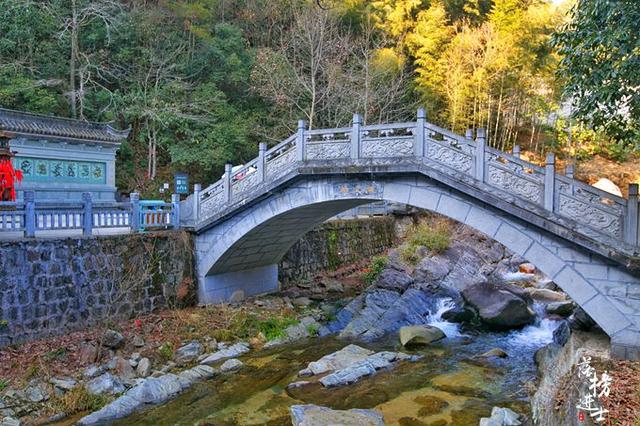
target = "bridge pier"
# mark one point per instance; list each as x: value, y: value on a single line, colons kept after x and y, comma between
x: 237, y: 285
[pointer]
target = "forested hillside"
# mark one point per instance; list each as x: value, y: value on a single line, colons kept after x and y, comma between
x: 201, y: 82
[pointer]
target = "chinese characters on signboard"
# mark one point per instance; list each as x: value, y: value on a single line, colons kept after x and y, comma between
x: 598, y: 387
x: 48, y: 170
x: 181, y: 183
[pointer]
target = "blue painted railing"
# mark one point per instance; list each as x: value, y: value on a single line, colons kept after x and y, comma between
x: 29, y: 217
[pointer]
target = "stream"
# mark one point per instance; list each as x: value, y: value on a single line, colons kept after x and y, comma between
x: 447, y: 386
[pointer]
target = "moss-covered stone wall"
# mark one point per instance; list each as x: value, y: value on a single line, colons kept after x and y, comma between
x: 334, y: 244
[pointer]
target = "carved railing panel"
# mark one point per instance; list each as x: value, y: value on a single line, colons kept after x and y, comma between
x: 514, y: 176
x: 212, y: 199
x: 590, y: 206
x: 329, y: 144
x: 281, y: 158
x: 448, y: 149
x: 385, y: 141
x: 244, y: 179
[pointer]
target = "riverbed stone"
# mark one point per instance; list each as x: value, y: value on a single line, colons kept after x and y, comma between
x: 501, y: 417
x: 137, y: 341
x: 499, y: 306
x: 105, y: 383
x: 63, y: 383
x: 363, y: 368
x: 495, y: 352
x: 144, y: 367
x: 124, y: 369
x: 420, y: 335
x: 187, y: 353
x: 231, y: 365
x: 9, y: 421
x: 562, y: 308
x: 546, y: 295
x: 314, y: 415
x: 36, y: 392
x: 337, y: 360
x: 112, y: 339
x: 94, y: 371
x: 232, y: 351
x: 562, y: 333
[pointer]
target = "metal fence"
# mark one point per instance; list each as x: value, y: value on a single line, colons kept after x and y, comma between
x: 30, y: 218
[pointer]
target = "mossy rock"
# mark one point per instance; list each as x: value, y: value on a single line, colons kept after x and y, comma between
x: 411, y: 421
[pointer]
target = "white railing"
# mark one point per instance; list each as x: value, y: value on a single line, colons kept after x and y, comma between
x: 505, y: 175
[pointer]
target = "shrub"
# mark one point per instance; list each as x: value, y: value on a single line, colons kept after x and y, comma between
x: 166, y: 351
x: 78, y: 400
x: 378, y: 263
x: 312, y: 329
x: 3, y: 384
x: 434, y: 235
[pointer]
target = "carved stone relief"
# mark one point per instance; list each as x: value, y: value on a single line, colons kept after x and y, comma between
x: 515, y: 184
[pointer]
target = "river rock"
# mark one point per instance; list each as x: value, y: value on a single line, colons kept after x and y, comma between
x: 187, y: 353
x: 36, y: 392
x: 231, y: 365
x: 459, y: 314
x: 501, y: 417
x: 363, y: 368
x: 394, y: 279
x: 148, y: 391
x: 580, y: 320
x: 301, y: 301
x: 88, y: 353
x: 340, y: 359
x: 94, y: 371
x: 332, y: 285
x: 545, y: 295
x: 232, y: 351
x: 137, y: 341
x: 112, y: 339
x: 499, y: 306
x: 124, y: 369
x: 314, y: 415
x: 144, y: 367
x: 420, y: 335
x: 63, y: 383
x: 495, y: 352
x: 562, y: 333
x: 9, y: 421
x: 564, y: 308
x: 106, y: 383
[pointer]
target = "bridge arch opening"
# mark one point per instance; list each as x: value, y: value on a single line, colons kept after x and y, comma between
x: 241, y: 254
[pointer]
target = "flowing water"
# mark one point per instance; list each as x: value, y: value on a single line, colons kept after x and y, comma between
x: 448, y: 386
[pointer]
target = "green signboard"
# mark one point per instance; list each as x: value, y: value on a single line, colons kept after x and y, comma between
x: 181, y: 183
x: 63, y: 171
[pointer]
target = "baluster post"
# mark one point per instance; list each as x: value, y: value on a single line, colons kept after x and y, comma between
x: 481, y: 142
x: 631, y: 234
x: 175, y: 211
x: 134, y: 199
x: 227, y: 182
x: 262, y: 161
x: 420, y: 125
x: 468, y: 134
x: 549, y: 181
x: 197, y: 188
x: 516, y: 151
x: 355, y: 136
x: 29, y: 214
x: 300, y: 142
x: 87, y: 214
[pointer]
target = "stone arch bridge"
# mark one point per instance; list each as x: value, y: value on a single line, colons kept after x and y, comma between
x: 585, y: 239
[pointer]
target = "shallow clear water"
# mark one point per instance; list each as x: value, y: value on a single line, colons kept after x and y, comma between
x: 447, y: 386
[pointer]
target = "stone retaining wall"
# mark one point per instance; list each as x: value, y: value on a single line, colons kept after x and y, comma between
x: 54, y: 286
x: 336, y: 243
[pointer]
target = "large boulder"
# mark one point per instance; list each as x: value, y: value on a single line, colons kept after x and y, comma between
x: 608, y: 186
x: 501, y: 417
x: 420, y: 335
x: 563, y: 308
x: 499, y: 306
x: 112, y: 339
x: 394, y: 279
x: 314, y: 415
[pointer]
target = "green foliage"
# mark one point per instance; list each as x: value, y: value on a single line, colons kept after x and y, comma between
x: 378, y: 263
x: 583, y: 143
x: 166, y: 351
x: 249, y: 325
x: 3, y: 384
x: 4, y: 323
x: 434, y: 235
x: 312, y: 329
x: 599, y: 47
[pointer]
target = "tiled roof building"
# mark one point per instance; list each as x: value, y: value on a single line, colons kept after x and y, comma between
x: 61, y: 158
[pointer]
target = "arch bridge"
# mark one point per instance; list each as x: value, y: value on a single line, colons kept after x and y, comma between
x: 585, y: 239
